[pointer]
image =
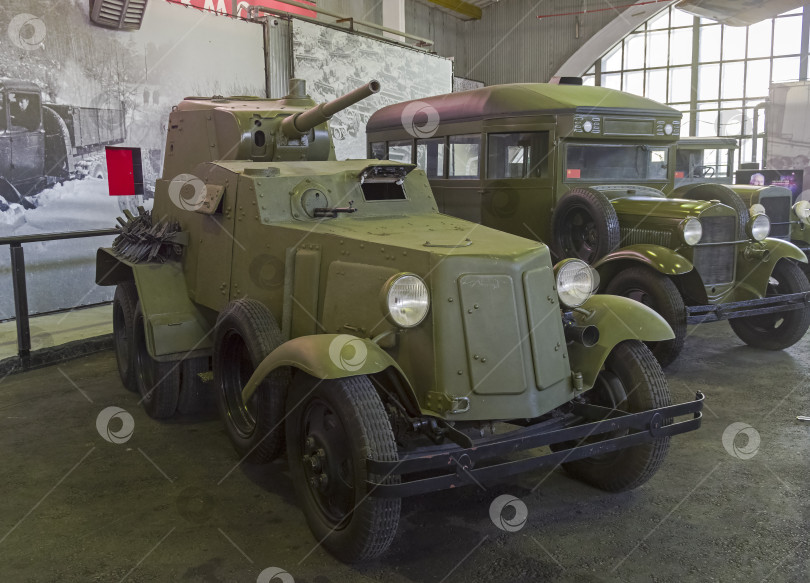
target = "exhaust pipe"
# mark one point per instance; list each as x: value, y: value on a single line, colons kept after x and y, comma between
x: 585, y: 335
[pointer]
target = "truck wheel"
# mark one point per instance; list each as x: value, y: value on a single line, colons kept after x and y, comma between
x: 195, y: 394
x: 246, y: 333
x: 333, y: 426
x: 654, y: 290
x: 717, y: 192
x: 584, y: 225
x: 783, y: 329
x: 158, y: 382
x: 631, y: 381
x: 124, y: 300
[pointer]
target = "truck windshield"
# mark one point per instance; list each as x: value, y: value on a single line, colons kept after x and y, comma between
x: 615, y: 162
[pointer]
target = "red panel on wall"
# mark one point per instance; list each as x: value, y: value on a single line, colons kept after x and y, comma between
x: 239, y: 7
x: 124, y: 171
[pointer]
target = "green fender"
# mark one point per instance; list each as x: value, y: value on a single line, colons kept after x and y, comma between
x: 659, y: 258
x: 326, y: 356
x: 753, y: 273
x: 618, y: 319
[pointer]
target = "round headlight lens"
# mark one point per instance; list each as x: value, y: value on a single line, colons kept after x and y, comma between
x: 759, y: 227
x: 802, y: 210
x: 587, y: 126
x: 575, y: 282
x: 407, y: 300
x: 668, y: 129
x: 691, y: 231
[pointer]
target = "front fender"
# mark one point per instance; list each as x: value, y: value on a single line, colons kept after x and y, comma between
x: 753, y: 273
x: 618, y: 319
x: 657, y: 257
x: 325, y: 356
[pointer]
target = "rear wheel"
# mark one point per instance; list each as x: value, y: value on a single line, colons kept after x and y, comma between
x: 158, y: 382
x: 333, y: 427
x: 782, y: 329
x: 584, y: 226
x: 124, y: 301
x: 195, y: 394
x: 656, y: 291
x: 632, y: 381
x: 246, y: 333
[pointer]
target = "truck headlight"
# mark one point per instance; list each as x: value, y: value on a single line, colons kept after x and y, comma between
x: 691, y: 231
x: 406, y: 300
x: 759, y: 227
x: 802, y: 210
x: 575, y: 282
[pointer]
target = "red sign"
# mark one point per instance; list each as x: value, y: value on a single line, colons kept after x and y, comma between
x: 239, y: 8
x: 124, y: 171
x: 679, y: 174
x: 573, y: 173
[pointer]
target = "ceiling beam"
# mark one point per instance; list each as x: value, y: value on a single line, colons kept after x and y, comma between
x: 465, y: 9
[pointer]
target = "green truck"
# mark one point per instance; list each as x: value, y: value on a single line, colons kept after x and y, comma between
x: 389, y: 349
x: 590, y: 171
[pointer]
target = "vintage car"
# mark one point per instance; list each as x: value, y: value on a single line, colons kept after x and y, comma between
x: 389, y: 349
x: 590, y: 171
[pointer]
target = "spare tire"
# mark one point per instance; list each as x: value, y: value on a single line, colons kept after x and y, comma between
x: 718, y: 192
x: 584, y: 225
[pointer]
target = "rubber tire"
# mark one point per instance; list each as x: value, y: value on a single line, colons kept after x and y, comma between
x: 758, y: 331
x: 664, y: 298
x: 373, y: 522
x: 601, y: 212
x: 247, y: 327
x: 124, y: 302
x: 195, y: 394
x: 720, y: 192
x: 629, y: 468
x: 158, y: 382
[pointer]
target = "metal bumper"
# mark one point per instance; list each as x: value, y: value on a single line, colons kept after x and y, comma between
x: 743, y: 309
x: 454, y: 466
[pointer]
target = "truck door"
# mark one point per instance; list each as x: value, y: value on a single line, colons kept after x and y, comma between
x: 27, y: 139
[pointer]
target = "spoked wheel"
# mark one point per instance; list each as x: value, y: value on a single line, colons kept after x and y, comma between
x: 333, y: 426
x: 782, y: 329
x: 585, y: 226
x: 632, y: 381
x: 246, y: 333
x: 158, y: 382
x: 124, y: 300
x: 656, y: 291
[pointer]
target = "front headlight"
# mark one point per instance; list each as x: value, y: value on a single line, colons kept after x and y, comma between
x: 691, y: 231
x: 406, y: 300
x: 802, y: 210
x: 759, y: 227
x: 575, y: 282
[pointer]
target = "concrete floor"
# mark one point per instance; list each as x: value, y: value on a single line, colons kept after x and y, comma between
x: 169, y: 504
x: 57, y: 329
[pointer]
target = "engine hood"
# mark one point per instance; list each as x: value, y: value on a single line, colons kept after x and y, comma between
x: 665, y: 208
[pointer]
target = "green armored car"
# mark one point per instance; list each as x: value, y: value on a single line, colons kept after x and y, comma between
x: 389, y: 349
x: 590, y: 171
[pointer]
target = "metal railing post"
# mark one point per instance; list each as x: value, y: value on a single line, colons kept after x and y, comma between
x: 20, y: 303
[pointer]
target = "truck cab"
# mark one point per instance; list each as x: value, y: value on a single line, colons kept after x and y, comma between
x: 22, y: 137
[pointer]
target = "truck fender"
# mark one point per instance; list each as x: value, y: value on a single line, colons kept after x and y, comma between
x: 759, y: 268
x: 657, y: 257
x: 175, y: 327
x: 781, y: 249
x: 328, y: 356
x: 618, y: 319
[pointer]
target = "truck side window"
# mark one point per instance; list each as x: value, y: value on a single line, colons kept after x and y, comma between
x: 430, y: 157
x: 23, y: 109
x: 400, y: 151
x: 378, y: 150
x: 464, y: 154
x: 517, y: 155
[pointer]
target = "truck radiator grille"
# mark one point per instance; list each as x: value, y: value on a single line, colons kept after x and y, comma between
x: 778, y: 210
x: 715, y: 263
x: 634, y: 236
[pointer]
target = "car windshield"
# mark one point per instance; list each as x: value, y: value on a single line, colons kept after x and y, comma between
x: 615, y: 162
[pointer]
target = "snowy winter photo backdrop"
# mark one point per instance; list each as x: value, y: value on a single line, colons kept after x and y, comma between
x: 57, y: 71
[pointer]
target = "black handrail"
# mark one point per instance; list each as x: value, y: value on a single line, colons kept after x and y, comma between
x: 18, y: 279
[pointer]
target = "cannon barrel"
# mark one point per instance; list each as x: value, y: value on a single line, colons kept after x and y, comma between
x: 299, y: 124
